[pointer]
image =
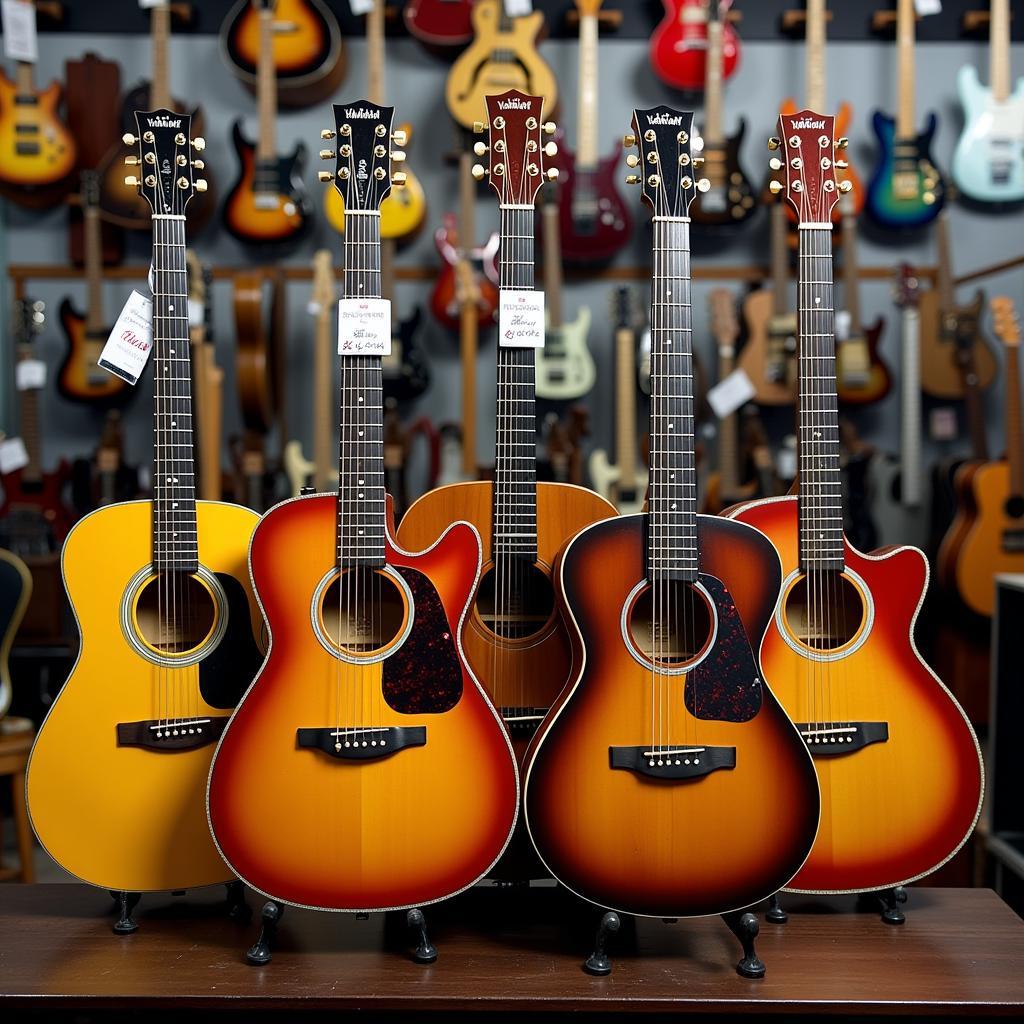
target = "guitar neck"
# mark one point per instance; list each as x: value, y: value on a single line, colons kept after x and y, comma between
x: 552, y: 266
x: 713, y: 84
x: 975, y: 406
x: 780, y: 259
x: 1014, y: 442
x: 944, y: 263
x: 814, y: 72
x: 728, y: 430
x: 625, y: 408
x: 375, y: 52
x: 851, y: 279
x: 93, y: 245
x: 266, y: 88
x: 586, y: 141
x: 28, y: 414
x: 999, y: 50
x: 905, y: 27
x: 24, y: 79
x: 160, y: 31
x: 910, y: 409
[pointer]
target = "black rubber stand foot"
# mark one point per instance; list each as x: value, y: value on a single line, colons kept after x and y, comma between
x: 599, y: 962
x: 126, y: 902
x: 238, y: 907
x: 424, y: 951
x: 744, y: 926
x: 890, y: 900
x: 775, y: 913
x: 260, y: 953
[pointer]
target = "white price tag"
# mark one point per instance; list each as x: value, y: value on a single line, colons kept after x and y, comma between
x: 925, y: 7
x: 13, y: 455
x: 131, y: 340
x: 730, y: 394
x: 364, y: 327
x: 518, y: 8
x: 313, y: 308
x: 196, y: 313
x: 19, y: 24
x: 30, y: 374
x: 521, y: 319
x: 149, y: 4
x: 843, y: 324
x: 361, y: 6
x: 942, y: 424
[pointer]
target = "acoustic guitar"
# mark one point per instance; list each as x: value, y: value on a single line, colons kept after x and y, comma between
x: 308, y: 49
x: 267, y: 207
x: 79, y: 378
x: 679, y: 46
x: 365, y: 703
x: 898, y: 762
x: 161, y: 595
x: 502, y: 56
x: 666, y: 728
x: 514, y: 639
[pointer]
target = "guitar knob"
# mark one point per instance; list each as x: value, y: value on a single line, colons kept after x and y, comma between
x: 775, y: 187
x: 328, y: 133
x: 478, y: 127
x: 399, y: 178
x: 128, y: 139
x: 400, y: 137
x: 703, y: 185
x: 628, y: 141
x: 632, y: 179
x: 201, y: 185
x: 632, y: 160
x: 551, y: 149
x: 479, y: 172
x: 846, y: 186
x: 199, y: 144
x: 324, y: 175
x: 548, y: 127
x: 132, y: 161
x: 773, y: 143
x: 552, y: 174
x: 131, y: 181
x: 842, y: 143
x: 327, y: 154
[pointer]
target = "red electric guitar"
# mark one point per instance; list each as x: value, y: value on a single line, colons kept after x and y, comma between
x: 441, y: 25
x: 680, y: 43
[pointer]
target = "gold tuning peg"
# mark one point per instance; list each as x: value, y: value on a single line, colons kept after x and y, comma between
x: 842, y: 143
x: 480, y: 148
x: 632, y: 160
x: 199, y: 165
x: 846, y: 186
x: 775, y: 187
x: 703, y: 185
x: 775, y: 164
x: 400, y: 137
x: 479, y: 172
x: 128, y: 139
x: 773, y: 143
x: 552, y: 173
x: 328, y: 133
x: 131, y: 181
x: 201, y: 185
x: 324, y: 175
x: 199, y: 144
x: 132, y: 161
x: 697, y: 161
x: 548, y: 127
x: 398, y: 156
x: 478, y: 127
x: 550, y: 149
x: 842, y: 164
x: 628, y: 141
x: 326, y: 154
x: 399, y: 178
x: 632, y: 179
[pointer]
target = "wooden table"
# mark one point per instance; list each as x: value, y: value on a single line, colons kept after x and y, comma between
x: 960, y: 954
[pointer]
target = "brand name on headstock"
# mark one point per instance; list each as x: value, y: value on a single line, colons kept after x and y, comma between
x: 163, y: 122
x: 673, y: 119
x: 362, y: 112
x: 806, y: 122
x: 513, y: 103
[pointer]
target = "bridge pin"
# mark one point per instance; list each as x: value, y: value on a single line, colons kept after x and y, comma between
x: 650, y: 764
x: 696, y: 760
x: 191, y: 732
x: 660, y: 763
x: 373, y: 743
x: 677, y: 760
x: 364, y: 743
x: 159, y: 735
x: 175, y: 732
x: 687, y: 761
x: 347, y: 744
x: 337, y: 746
x: 382, y: 742
x: 199, y: 729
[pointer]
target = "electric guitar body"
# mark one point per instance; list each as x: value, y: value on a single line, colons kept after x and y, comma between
x: 406, y: 371
x: 767, y: 356
x: 444, y: 299
x: 878, y: 380
x: 906, y: 190
x: 731, y: 198
x: 35, y: 499
x: 441, y: 25
x: 565, y: 366
x: 678, y: 50
x: 945, y: 332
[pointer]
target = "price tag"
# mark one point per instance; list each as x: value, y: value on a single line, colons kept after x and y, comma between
x: 521, y: 319
x: 843, y: 324
x: 361, y: 6
x: 19, y: 25
x: 13, y: 455
x: 518, y: 8
x: 942, y: 423
x: 925, y: 7
x: 730, y: 394
x: 131, y: 340
x: 196, y: 313
x: 364, y: 327
x: 30, y: 374
x: 313, y: 308
x: 147, y: 5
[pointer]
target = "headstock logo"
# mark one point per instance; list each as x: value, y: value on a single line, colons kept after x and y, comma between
x: 163, y: 122
x: 165, y: 167
x: 514, y: 103
x: 366, y: 113
x: 806, y: 122
x: 668, y: 119
x: 361, y: 170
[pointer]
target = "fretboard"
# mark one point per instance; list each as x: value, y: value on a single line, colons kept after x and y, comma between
x: 266, y: 89
x: 515, y: 455
x: 672, y: 549
x: 820, y: 502
x: 174, y: 494
x: 361, y: 493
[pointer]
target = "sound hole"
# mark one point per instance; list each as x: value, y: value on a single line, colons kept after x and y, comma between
x: 671, y: 623
x: 175, y: 612
x: 1015, y: 506
x: 517, y: 601
x: 363, y: 611
x: 824, y: 610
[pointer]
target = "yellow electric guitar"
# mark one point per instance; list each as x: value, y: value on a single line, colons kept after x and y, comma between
x: 160, y: 588
x: 403, y: 211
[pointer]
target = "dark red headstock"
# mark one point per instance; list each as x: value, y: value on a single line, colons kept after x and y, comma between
x: 808, y: 146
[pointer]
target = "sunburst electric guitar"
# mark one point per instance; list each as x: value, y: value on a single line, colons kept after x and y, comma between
x: 167, y: 620
x: 364, y: 717
x: 899, y: 765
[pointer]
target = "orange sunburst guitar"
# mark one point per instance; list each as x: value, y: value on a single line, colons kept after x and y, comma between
x: 383, y: 768
x: 514, y: 639
x: 987, y: 535
x: 168, y: 621
x: 667, y: 781
x: 899, y: 765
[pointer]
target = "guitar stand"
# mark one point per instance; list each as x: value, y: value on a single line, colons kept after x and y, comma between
x: 888, y: 901
x: 125, y: 903
x: 599, y: 963
x: 425, y: 951
x: 238, y: 907
x: 775, y: 912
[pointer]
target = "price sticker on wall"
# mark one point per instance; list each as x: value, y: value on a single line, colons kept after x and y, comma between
x: 730, y: 394
x: 131, y: 340
x: 925, y: 7
x: 521, y: 319
x: 361, y: 6
x: 30, y: 375
x: 19, y: 25
x: 364, y: 327
x: 13, y: 455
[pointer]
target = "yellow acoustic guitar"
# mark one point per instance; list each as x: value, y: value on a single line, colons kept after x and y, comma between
x: 160, y: 589
x: 403, y: 211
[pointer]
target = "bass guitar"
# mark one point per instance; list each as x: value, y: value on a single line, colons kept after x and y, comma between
x: 840, y: 651
x: 268, y: 206
x: 988, y: 162
x: 308, y: 49
x: 906, y: 189
x: 679, y: 45
x: 665, y: 729
x: 343, y: 709
x: 161, y: 595
x: 513, y: 637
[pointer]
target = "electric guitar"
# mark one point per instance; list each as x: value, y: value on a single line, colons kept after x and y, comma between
x: 988, y: 162
x: 899, y: 765
x: 441, y: 25
x: 679, y: 45
x: 513, y: 637
x: 268, y: 206
x: 620, y: 482
x: 365, y: 697
x: 79, y: 378
x: 503, y: 55
x: 406, y: 369
x: 308, y: 49
x: 666, y: 720
x: 594, y: 222
x: 105, y: 478
x: 161, y: 595
x: 906, y: 190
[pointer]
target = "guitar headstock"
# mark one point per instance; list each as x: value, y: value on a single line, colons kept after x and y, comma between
x: 29, y: 320
x: 1005, y: 322
x: 724, y: 326
x: 623, y: 309
x: 362, y: 162
x: 667, y: 167
x: 807, y: 144
x: 164, y: 159
x: 517, y: 154
x: 908, y: 287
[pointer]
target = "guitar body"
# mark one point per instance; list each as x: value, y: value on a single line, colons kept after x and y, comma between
x: 906, y: 190
x: 39, y: 501
x: 593, y: 221
x: 565, y: 367
x: 755, y: 358
x: 36, y: 151
x: 444, y: 300
x: 592, y: 824
x: 406, y: 373
x: 279, y: 215
x: 440, y: 24
x: 497, y: 61
x: 604, y: 478
x: 401, y: 214
x: 879, y: 379
x: 131, y: 816
x: 309, y: 53
x: 941, y: 375
x: 731, y: 198
x: 15, y: 591
x: 79, y: 378
x: 679, y: 46
x: 988, y: 162
x: 896, y: 808
x: 351, y: 832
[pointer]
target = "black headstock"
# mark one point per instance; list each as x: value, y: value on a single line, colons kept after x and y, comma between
x: 665, y: 169
x: 29, y: 320
x: 166, y: 168
x: 362, y: 161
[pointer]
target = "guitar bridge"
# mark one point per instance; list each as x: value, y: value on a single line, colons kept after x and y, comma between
x: 356, y: 744
x: 171, y: 734
x: 1013, y: 541
x: 829, y: 739
x: 522, y: 721
x: 675, y: 763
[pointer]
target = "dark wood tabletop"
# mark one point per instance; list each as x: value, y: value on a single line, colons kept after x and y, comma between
x: 960, y: 953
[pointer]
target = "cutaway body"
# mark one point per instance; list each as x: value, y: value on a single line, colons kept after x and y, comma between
x: 906, y: 190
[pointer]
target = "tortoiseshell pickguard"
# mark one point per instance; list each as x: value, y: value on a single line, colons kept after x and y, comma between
x: 726, y: 685
x: 424, y: 676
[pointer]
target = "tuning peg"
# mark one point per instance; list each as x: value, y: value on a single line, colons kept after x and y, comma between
x: 697, y: 161
x: 400, y: 137
x: 324, y: 175
x: 199, y: 144
x: 842, y: 143
x: 775, y: 187
x: 398, y: 156
x: 552, y: 174
x: 846, y: 186
x: 632, y: 179
x: 328, y: 133
x: 478, y: 127
x: 327, y: 154
x: 131, y: 181
x: 201, y: 185
x: 628, y: 141
x: 480, y: 148
x: 479, y: 172
x: 632, y: 160
x: 550, y: 149
x: 399, y: 178
x: 548, y: 127
x: 842, y: 164
x: 128, y: 139
x: 199, y: 165
x: 775, y: 164
x: 773, y: 143
x: 132, y: 161
x: 703, y: 185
